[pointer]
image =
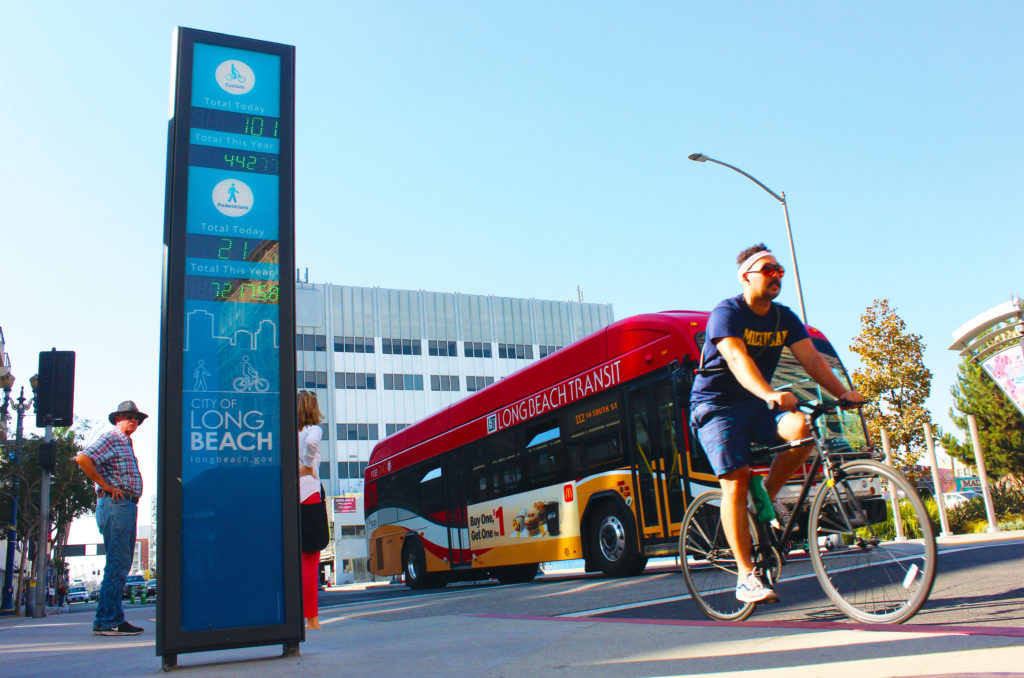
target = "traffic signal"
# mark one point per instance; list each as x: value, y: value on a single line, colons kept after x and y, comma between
x: 48, y: 455
x: 55, y: 393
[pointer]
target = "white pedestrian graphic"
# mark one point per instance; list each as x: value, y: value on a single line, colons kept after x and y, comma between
x: 200, y: 374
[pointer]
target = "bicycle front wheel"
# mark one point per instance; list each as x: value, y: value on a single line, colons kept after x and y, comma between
x: 708, y: 564
x: 869, y: 574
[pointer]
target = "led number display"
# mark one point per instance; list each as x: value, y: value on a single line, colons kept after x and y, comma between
x: 237, y: 290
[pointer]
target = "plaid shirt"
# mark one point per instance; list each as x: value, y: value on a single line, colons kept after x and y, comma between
x: 115, y: 460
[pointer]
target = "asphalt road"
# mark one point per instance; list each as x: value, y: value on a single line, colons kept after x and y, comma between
x: 977, y: 584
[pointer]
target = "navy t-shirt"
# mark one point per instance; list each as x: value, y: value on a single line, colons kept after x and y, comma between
x: 764, y: 335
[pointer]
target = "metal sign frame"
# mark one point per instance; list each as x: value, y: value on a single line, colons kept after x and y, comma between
x: 182, y: 614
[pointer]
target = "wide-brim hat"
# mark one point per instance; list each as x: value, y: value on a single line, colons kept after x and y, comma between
x: 127, y: 407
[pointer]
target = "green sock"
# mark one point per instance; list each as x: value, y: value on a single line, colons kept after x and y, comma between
x: 762, y: 504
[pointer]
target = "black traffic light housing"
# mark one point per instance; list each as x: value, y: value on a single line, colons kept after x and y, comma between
x: 48, y: 455
x: 55, y: 393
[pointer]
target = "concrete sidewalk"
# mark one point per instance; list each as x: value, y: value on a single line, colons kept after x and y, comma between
x: 492, y: 646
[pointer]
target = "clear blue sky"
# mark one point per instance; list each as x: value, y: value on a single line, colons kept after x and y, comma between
x: 528, y: 148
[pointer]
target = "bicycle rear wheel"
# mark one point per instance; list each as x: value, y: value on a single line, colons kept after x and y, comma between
x: 708, y: 564
x: 869, y: 575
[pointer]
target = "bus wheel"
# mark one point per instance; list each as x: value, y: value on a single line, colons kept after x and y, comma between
x: 414, y: 565
x: 516, y: 574
x: 613, y: 542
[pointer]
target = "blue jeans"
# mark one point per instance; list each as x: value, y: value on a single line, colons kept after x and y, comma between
x: 116, y: 520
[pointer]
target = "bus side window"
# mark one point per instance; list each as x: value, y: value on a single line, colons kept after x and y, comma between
x: 603, y: 455
x: 477, y: 462
x: 430, y: 491
x: 544, y: 462
x: 503, y: 463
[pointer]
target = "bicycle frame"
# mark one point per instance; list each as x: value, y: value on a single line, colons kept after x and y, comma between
x: 819, y: 459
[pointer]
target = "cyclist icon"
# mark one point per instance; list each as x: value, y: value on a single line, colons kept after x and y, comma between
x: 250, y: 379
x: 235, y: 75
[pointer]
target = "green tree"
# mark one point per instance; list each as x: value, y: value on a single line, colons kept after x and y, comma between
x: 894, y: 379
x: 71, y: 491
x: 1000, y: 423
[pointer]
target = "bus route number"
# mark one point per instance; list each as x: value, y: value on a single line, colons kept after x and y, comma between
x: 584, y: 417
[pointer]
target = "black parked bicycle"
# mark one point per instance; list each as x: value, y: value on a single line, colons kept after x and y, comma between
x: 864, y: 570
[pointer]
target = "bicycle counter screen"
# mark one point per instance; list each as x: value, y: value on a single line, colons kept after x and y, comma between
x: 238, y: 290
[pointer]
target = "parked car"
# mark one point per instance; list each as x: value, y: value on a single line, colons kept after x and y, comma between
x: 956, y: 498
x: 134, y: 582
x: 77, y: 594
x: 151, y: 587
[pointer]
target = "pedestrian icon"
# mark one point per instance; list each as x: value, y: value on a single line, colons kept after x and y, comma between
x: 200, y: 374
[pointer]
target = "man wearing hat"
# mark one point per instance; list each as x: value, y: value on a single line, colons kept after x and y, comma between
x: 110, y: 462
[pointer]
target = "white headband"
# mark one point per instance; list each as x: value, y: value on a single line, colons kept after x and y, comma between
x: 751, y: 260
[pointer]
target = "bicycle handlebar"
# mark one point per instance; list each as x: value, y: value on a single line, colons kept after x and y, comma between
x: 825, y: 407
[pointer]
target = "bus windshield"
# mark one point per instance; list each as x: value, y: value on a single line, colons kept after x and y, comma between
x: 842, y: 426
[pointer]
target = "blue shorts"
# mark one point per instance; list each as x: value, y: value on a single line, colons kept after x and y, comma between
x: 727, y: 431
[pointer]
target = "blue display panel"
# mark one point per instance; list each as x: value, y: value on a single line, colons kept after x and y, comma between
x: 231, y: 435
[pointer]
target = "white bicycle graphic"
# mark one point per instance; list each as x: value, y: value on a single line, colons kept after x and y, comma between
x: 250, y: 379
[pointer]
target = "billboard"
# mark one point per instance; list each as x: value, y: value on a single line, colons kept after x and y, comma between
x: 1007, y: 369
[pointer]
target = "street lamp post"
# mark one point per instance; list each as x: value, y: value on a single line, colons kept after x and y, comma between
x: 700, y: 157
x: 7, y: 606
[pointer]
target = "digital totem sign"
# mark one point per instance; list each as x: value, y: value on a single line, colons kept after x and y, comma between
x: 227, y: 507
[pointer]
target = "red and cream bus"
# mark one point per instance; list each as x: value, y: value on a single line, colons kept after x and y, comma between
x: 584, y: 454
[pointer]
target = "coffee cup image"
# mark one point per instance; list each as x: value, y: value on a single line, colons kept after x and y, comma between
x: 552, y: 521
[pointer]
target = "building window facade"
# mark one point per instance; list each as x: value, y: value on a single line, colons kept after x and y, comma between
x: 351, y: 469
x: 355, y: 380
x: 403, y: 382
x: 477, y: 383
x: 353, y: 344
x: 515, y: 351
x: 357, y: 432
x: 476, y: 349
x: 444, y: 382
x: 545, y: 351
x: 401, y: 346
x: 310, y: 379
x: 310, y: 342
x: 392, y: 429
x: 441, y: 348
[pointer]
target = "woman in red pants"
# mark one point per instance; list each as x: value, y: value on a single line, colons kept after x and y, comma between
x: 310, y: 434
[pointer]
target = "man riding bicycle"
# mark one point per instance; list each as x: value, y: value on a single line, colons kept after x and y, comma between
x: 732, y: 403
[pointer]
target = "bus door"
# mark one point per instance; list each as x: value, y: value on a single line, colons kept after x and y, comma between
x: 654, y: 421
x: 456, y: 494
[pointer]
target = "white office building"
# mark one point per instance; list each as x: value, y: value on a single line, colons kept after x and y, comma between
x: 381, y: 359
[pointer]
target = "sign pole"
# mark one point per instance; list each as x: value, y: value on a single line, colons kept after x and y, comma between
x: 979, y: 458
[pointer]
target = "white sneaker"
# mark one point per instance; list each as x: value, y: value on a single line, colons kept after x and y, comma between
x: 749, y: 589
